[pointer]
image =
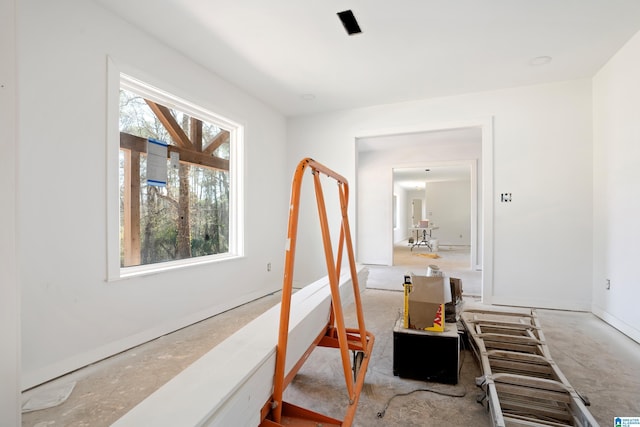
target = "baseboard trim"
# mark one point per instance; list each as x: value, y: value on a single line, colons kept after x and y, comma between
x: 541, y: 303
x: 620, y: 325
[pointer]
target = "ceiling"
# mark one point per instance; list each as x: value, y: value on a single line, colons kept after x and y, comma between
x: 415, y: 178
x: 465, y: 135
x: 295, y: 55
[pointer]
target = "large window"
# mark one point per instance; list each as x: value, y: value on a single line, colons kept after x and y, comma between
x: 177, y: 192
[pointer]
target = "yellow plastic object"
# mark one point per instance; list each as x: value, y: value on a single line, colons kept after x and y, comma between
x: 407, y: 291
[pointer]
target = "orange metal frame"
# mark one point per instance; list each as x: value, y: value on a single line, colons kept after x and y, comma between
x: 276, y: 412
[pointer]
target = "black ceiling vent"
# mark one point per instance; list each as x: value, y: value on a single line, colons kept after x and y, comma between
x: 349, y: 22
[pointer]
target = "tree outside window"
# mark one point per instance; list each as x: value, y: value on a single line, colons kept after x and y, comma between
x: 190, y: 216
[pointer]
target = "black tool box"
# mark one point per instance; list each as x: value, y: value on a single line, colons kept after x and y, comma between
x: 425, y: 355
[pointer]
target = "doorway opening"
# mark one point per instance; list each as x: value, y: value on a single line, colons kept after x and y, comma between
x: 439, y: 213
x: 386, y: 213
x: 416, y: 209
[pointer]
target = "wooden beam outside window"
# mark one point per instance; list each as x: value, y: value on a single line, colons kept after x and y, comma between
x: 131, y: 218
x: 139, y: 144
x: 216, y: 142
x: 195, y: 130
x: 169, y: 122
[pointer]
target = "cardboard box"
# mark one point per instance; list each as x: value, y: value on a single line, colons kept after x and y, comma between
x: 426, y: 303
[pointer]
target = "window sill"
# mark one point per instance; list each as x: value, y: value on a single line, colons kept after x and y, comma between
x: 151, y: 269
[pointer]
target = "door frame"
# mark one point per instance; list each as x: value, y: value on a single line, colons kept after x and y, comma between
x: 484, y: 256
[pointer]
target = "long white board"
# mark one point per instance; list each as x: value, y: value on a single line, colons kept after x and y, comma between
x: 229, y: 385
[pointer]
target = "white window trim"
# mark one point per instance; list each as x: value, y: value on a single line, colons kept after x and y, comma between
x: 116, y: 80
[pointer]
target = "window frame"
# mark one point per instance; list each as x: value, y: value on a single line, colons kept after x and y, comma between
x: 118, y: 80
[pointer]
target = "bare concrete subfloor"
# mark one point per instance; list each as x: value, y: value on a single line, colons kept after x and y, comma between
x: 599, y: 361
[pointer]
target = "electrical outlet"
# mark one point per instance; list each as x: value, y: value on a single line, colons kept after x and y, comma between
x: 268, y: 266
x: 505, y: 197
x: 608, y: 284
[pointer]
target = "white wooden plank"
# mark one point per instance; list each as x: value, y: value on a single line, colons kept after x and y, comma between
x: 230, y: 384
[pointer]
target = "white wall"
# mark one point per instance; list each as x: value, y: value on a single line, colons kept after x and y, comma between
x: 373, y: 233
x: 449, y: 203
x: 616, y: 205
x: 402, y: 219
x: 542, y: 248
x: 9, y: 290
x: 70, y: 315
x: 412, y: 195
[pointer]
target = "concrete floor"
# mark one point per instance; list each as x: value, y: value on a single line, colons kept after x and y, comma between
x: 108, y: 389
x: 320, y: 380
x: 599, y: 361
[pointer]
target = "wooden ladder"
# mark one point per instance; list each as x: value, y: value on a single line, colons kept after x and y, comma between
x: 522, y: 385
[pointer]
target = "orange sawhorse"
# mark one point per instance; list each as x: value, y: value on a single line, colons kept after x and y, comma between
x: 276, y: 412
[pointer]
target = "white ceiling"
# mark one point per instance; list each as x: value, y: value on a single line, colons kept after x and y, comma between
x: 415, y: 178
x: 284, y: 51
x: 468, y: 135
